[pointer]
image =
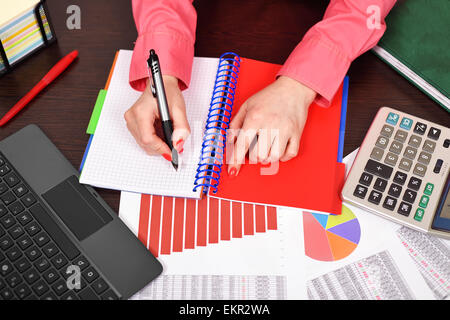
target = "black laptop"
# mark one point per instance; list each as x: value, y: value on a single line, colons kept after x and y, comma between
x: 58, y: 238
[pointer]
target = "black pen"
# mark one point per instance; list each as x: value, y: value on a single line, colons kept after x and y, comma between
x: 158, y: 91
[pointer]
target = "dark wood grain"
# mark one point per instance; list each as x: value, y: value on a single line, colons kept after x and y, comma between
x: 264, y: 30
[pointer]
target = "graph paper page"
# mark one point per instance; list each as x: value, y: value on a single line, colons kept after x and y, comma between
x: 115, y: 160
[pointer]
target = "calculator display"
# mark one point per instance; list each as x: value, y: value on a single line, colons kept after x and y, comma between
x: 442, y: 216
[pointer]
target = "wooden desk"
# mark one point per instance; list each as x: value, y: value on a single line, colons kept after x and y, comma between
x: 264, y: 30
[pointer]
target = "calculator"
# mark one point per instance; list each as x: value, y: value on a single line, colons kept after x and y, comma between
x: 401, y: 172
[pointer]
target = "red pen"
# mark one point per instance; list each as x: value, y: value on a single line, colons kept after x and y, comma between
x: 45, y: 81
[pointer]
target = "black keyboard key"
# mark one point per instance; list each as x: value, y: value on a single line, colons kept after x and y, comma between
x: 3, y: 210
x: 8, y: 221
x: 5, y: 268
x: 16, y: 207
x: 420, y: 128
x: 434, y: 133
x: 81, y: 262
x: 22, y: 291
x: 69, y: 296
x: 2, y: 232
x: 14, y: 279
x: 14, y: 253
x: 389, y: 203
x: 11, y: 179
x: 409, y: 196
x: 8, y: 198
x: 31, y: 297
x: 64, y: 243
x: 32, y: 228
x: 404, y: 208
x: 40, y: 287
x: 109, y: 295
x: 51, y: 275
x: 49, y: 296
x: 24, y: 218
x: 395, y: 190
x: 2, y: 256
x: 20, y: 190
x: 375, y: 197
x: 16, y: 231
x: 446, y: 143
x: 60, y: 287
x: 22, y: 265
x: 4, y: 170
x: 50, y: 250
x: 6, y: 294
x: 2, y: 283
x: 59, y: 261
x: 438, y: 166
x: 42, y: 264
x: 31, y: 276
x: 41, y: 239
x: 3, y: 188
x: 90, y: 274
x: 366, y: 179
x: 414, y: 183
x: 400, y: 177
x: 100, y: 286
x: 33, y: 253
x: 88, y: 294
x: 378, y: 169
x: 6, y: 242
x: 28, y: 200
x: 380, y: 184
x: 360, y: 191
x: 24, y: 242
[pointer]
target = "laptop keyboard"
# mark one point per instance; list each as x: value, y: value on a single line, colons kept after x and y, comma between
x: 35, y: 253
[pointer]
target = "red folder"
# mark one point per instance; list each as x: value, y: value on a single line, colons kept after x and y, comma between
x: 310, y: 181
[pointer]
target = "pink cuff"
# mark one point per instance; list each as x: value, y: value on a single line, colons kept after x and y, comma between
x: 318, y: 64
x: 175, y: 54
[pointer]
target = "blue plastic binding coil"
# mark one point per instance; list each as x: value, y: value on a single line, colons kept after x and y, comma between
x: 219, y: 117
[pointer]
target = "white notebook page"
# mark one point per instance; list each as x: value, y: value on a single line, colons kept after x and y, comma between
x: 115, y: 160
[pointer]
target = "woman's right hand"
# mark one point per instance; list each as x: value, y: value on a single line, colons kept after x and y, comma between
x: 142, y: 115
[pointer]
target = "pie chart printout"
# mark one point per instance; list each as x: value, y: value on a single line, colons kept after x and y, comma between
x: 330, y: 237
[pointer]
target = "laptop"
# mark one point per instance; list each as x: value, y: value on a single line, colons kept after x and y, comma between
x: 58, y: 238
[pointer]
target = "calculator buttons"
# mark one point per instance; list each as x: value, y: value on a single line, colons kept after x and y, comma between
x: 380, y: 184
x: 401, y: 135
x: 424, y: 157
x: 405, y: 164
x: 377, y: 153
x: 366, y: 179
x: 400, y: 177
x: 406, y: 123
x: 395, y: 190
x: 429, y: 146
x: 446, y: 143
x: 420, y: 128
x: 404, y: 208
x: 428, y: 189
x: 391, y: 159
x: 389, y: 203
x: 375, y: 197
x: 378, y: 169
x: 360, y: 191
x: 415, y: 141
x: 409, y: 196
x: 419, y: 214
x: 410, y: 153
x: 414, y: 183
x: 381, y: 142
x: 420, y: 170
x: 396, y: 147
x: 438, y: 166
x: 424, y: 201
x: 387, y: 131
x: 392, y: 118
x: 434, y: 133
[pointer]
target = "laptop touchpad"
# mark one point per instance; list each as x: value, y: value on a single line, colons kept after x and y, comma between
x: 77, y: 208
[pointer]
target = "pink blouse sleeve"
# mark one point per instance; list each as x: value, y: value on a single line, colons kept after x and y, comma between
x: 348, y: 29
x: 168, y: 26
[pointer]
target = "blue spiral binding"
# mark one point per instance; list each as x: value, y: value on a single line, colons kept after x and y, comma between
x: 219, y: 117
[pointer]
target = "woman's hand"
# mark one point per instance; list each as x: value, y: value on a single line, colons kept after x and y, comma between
x: 141, y: 118
x: 275, y: 116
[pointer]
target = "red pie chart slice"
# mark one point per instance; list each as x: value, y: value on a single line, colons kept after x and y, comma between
x: 316, y: 240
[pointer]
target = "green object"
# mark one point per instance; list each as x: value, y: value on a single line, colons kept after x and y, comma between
x: 416, y: 43
x: 419, y: 214
x: 428, y: 189
x: 424, y: 201
x: 96, y: 112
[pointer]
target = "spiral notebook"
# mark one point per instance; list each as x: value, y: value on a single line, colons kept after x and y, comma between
x: 218, y: 87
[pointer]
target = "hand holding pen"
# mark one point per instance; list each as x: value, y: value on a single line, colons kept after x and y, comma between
x: 142, y: 115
